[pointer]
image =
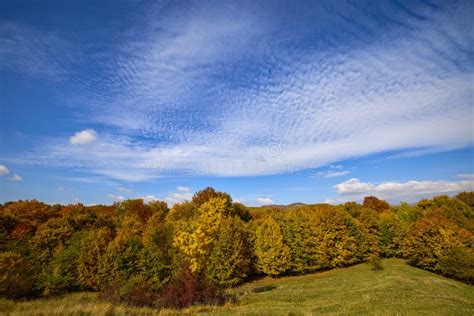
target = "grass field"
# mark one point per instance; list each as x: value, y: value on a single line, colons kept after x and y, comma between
x: 397, y: 290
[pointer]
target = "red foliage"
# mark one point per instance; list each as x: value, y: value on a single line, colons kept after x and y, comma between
x: 135, y: 292
x: 187, y: 288
x: 19, y: 230
x: 375, y: 204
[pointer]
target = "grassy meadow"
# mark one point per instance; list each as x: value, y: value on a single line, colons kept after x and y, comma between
x: 398, y: 289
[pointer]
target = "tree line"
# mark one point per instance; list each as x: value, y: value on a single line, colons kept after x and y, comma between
x: 147, y: 254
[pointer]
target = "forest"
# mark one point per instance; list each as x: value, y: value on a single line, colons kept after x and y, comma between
x: 147, y: 254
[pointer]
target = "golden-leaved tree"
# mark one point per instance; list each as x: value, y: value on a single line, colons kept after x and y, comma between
x: 273, y: 255
x: 93, y: 247
x: 196, y: 242
x: 434, y: 237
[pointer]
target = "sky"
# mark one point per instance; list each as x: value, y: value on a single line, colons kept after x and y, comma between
x: 274, y: 102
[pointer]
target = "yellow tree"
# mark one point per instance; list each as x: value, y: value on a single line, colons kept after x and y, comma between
x: 196, y: 242
x: 273, y: 255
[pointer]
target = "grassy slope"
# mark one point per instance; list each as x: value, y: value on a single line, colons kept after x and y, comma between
x: 398, y: 289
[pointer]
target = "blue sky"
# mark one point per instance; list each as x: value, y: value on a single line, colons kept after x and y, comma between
x: 273, y: 102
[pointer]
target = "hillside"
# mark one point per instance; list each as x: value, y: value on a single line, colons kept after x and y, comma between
x: 397, y: 289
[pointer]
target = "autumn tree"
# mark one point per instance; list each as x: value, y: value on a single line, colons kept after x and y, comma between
x: 196, y: 241
x: 230, y: 257
x: 300, y: 236
x: 120, y: 261
x: 391, y: 234
x: 156, y: 258
x: 208, y: 193
x: 273, y: 255
x: 451, y: 208
x: 93, y: 246
x: 431, y: 238
x: 375, y: 204
x: 17, y: 276
x: 467, y: 198
x: 343, y: 240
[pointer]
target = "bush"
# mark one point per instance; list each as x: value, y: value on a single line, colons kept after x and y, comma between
x: 375, y: 261
x: 188, y: 288
x: 136, y: 291
x: 458, y: 264
x: 16, y: 275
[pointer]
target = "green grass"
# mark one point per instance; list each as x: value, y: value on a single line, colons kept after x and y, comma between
x: 397, y: 290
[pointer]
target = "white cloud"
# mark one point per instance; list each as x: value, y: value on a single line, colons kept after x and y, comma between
x: 333, y: 174
x: 182, y: 194
x: 353, y: 186
x: 115, y: 198
x: 86, y: 136
x: 149, y: 198
x: 265, y: 200
x: 183, y: 189
x: 3, y: 170
x: 354, y: 189
x: 16, y: 177
x: 466, y: 176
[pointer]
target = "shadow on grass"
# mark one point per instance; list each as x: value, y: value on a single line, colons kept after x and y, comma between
x: 265, y: 288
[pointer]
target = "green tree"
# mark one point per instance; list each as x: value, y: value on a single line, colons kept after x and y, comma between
x: 61, y: 274
x: 390, y: 234
x: 121, y: 259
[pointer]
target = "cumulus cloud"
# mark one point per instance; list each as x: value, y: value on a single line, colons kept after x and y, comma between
x: 86, y: 136
x: 115, y: 198
x: 16, y: 177
x: 181, y: 194
x: 354, y: 189
x: 265, y: 200
x: 3, y: 170
x: 149, y: 198
x: 183, y: 189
